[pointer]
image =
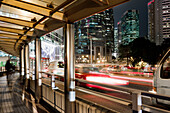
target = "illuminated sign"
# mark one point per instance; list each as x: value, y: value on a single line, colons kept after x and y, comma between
x: 151, y: 2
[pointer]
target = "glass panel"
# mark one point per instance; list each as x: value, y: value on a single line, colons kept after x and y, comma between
x: 165, y: 70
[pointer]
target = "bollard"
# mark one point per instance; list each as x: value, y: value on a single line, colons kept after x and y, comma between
x: 136, y: 102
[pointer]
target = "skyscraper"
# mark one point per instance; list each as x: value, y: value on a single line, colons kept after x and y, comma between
x: 151, y: 21
x: 116, y: 42
x: 159, y: 20
x: 96, y: 34
x: 129, y: 26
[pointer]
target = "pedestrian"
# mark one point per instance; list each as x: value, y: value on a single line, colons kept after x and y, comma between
x: 8, y: 67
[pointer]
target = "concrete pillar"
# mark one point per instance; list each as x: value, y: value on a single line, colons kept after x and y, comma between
x: 38, y: 81
x: 69, y: 71
x: 101, y: 52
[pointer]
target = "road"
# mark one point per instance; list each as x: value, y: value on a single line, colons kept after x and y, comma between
x: 95, y: 96
x: 134, y: 82
x: 90, y: 96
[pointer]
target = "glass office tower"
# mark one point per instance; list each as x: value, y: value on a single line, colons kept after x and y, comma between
x: 129, y: 26
x: 95, y: 35
x: 159, y: 20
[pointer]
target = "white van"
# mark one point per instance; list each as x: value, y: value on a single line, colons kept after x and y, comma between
x: 162, y: 78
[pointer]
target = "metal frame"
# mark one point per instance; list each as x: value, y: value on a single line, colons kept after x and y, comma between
x: 26, y: 66
x: 34, y: 8
x: 38, y: 81
x: 69, y: 70
x: 21, y: 64
x: 21, y: 22
x: 42, y: 19
x: 14, y: 30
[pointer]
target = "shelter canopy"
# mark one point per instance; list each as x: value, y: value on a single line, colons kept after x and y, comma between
x: 23, y: 20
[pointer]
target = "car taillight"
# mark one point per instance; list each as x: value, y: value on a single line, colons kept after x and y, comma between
x: 155, y: 89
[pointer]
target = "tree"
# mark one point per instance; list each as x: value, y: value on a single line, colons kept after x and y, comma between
x: 124, y: 52
x: 140, y: 49
x: 165, y: 45
x: 143, y: 49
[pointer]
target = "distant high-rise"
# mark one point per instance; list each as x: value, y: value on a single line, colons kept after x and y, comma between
x: 151, y: 21
x: 129, y: 26
x: 159, y: 20
x: 99, y: 31
x: 116, y: 42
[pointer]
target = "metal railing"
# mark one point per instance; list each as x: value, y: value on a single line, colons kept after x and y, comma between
x: 55, y: 97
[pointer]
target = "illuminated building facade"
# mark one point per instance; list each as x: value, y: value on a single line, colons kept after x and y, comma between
x: 96, y: 31
x: 52, y: 46
x: 129, y: 26
x: 151, y: 21
x: 159, y: 20
x: 116, y: 42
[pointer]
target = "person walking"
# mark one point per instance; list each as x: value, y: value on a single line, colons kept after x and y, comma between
x: 8, y: 67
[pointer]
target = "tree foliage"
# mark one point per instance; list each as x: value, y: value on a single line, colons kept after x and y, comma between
x: 141, y: 49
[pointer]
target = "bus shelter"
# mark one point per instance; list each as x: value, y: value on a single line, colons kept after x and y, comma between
x: 27, y: 20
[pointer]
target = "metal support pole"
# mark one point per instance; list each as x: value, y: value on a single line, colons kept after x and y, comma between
x: 105, y: 52
x: 69, y: 70
x: 38, y: 81
x: 32, y: 68
x: 22, y: 63
x: 101, y: 52
x: 136, y: 102
x: 26, y: 65
x: 25, y: 68
x: 91, y: 55
x: 110, y: 55
x: 27, y: 61
x: 95, y: 54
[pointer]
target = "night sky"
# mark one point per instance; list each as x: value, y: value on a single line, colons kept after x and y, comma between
x: 140, y: 5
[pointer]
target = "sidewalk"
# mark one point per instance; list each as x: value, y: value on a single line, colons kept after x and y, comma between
x: 14, y: 100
